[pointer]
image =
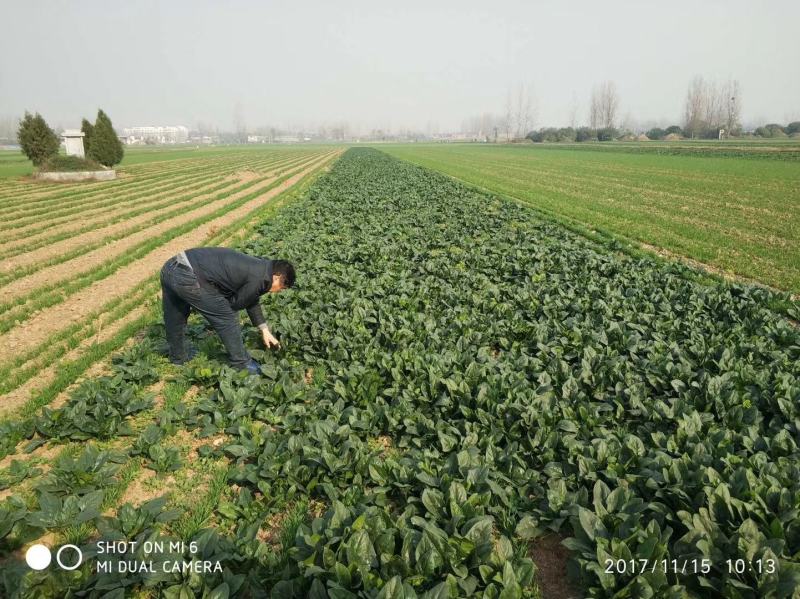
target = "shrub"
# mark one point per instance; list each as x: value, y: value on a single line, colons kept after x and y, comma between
x: 673, y: 129
x: 38, y: 141
x: 770, y: 130
x: 585, y: 134
x: 656, y: 133
x: 606, y: 134
x: 566, y: 134
x: 59, y: 163
x: 793, y: 127
x: 105, y: 147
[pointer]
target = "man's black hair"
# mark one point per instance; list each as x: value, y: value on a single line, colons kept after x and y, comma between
x: 284, y: 269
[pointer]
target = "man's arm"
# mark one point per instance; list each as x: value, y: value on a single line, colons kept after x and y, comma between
x: 257, y: 318
x: 256, y: 315
x: 246, y: 298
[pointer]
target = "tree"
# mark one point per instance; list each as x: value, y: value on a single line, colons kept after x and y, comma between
x: 606, y: 134
x: 793, y: 127
x: 508, y: 116
x: 38, y: 141
x: 710, y: 107
x: 604, y: 106
x: 594, y: 110
x: 673, y: 129
x: 656, y: 133
x: 87, y: 129
x: 771, y: 130
x: 585, y: 134
x: 106, y: 148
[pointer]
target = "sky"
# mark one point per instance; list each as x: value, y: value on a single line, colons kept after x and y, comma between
x: 391, y: 65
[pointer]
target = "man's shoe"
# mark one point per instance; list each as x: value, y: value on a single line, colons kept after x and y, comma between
x: 190, y: 355
x: 253, y: 367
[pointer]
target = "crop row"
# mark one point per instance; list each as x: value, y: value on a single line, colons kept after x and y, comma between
x: 789, y: 152
x: 734, y: 215
x: 171, y: 207
x: 458, y: 378
x: 107, y: 326
x: 131, y: 183
x: 97, y: 213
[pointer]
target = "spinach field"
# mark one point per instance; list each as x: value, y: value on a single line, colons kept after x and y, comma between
x: 459, y: 378
x: 735, y: 209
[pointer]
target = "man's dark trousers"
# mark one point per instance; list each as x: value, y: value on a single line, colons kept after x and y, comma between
x: 181, y: 291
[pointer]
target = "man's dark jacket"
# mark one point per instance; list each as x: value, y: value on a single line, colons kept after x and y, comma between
x: 242, y: 279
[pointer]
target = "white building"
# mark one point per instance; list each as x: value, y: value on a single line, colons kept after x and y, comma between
x: 73, y: 142
x: 162, y: 135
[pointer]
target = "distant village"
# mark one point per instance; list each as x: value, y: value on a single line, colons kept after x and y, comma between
x: 179, y: 134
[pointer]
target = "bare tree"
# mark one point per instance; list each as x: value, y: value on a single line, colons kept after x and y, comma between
x: 604, y: 105
x: 594, y: 109
x: 573, y: 111
x: 733, y: 94
x: 508, y: 116
x: 695, y: 106
x: 609, y: 103
x: 710, y: 107
x: 521, y: 111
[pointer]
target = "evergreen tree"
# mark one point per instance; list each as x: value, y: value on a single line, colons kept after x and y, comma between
x: 105, y: 147
x: 39, y: 142
x: 87, y: 129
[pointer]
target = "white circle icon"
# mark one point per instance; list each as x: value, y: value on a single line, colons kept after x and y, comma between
x: 77, y: 563
x: 38, y: 557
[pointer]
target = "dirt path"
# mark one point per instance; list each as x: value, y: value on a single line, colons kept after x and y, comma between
x: 41, y: 326
x: 84, y: 263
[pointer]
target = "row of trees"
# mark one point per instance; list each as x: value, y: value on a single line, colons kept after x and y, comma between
x: 709, y: 107
x: 604, y: 106
x: 773, y: 130
x: 573, y: 134
x: 40, y: 143
x: 712, y: 106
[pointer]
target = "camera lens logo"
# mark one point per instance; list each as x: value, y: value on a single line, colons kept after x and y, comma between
x: 38, y: 557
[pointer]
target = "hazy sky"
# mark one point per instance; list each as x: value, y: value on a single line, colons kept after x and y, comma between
x: 386, y: 64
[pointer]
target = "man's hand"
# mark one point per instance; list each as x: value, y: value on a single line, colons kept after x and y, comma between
x: 269, y: 339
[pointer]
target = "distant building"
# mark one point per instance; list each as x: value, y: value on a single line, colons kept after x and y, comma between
x: 160, y: 135
x: 73, y: 142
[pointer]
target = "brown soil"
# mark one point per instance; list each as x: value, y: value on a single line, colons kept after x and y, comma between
x: 244, y: 175
x: 139, y: 491
x: 186, y: 438
x: 66, y: 245
x: 37, y: 329
x: 16, y: 398
x: 270, y: 530
x: 86, y: 263
x: 94, y: 214
x: 88, y: 200
x: 550, y: 557
x: 34, y: 190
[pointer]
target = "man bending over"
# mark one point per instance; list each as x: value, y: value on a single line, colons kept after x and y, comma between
x: 217, y: 283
